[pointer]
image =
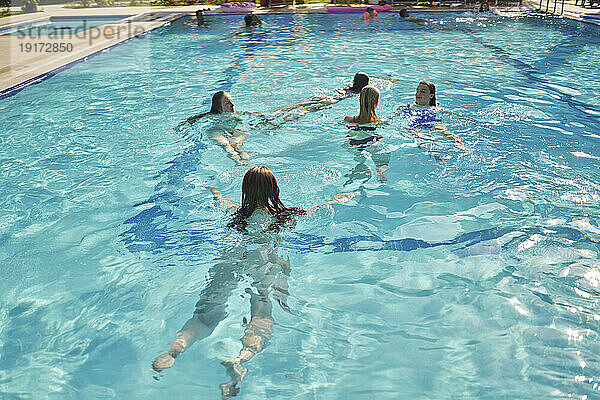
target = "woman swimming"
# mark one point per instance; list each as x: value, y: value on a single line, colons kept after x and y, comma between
x: 225, y: 133
x: 369, y: 99
x: 372, y: 143
x: 318, y: 102
x: 424, y: 114
x: 261, y: 215
x: 221, y: 102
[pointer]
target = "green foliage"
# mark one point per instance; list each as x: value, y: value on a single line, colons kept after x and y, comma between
x: 5, y: 4
x: 105, y: 3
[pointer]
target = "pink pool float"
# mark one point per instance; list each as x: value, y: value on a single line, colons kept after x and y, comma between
x: 238, y: 7
x: 359, y: 9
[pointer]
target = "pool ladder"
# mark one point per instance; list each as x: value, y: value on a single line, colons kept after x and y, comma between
x: 562, y: 6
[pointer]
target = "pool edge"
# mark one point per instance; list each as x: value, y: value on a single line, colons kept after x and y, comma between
x: 12, y: 90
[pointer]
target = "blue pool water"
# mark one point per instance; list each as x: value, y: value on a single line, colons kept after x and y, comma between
x: 452, y: 275
x: 57, y: 26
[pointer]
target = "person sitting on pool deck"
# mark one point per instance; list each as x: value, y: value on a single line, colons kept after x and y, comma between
x: 424, y: 114
x: 252, y: 20
x: 369, y: 99
x: 369, y: 13
x: 318, y: 102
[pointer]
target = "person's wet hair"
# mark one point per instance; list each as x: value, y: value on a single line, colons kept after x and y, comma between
x: 216, y: 106
x: 252, y: 20
x: 484, y: 7
x: 369, y: 98
x: 360, y: 81
x: 260, y: 190
x: 370, y: 10
x: 431, y: 86
x: 404, y: 13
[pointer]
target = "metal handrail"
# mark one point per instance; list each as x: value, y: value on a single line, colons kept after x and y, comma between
x: 562, y: 7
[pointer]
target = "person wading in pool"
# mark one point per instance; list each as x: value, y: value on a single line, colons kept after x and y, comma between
x: 369, y: 13
x: 404, y: 14
x: 319, y: 102
x: 261, y: 216
x: 367, y: 120
x: 252, y: 20
x: 369, y: 99
x: 424, y: 114
x: 225, y: 132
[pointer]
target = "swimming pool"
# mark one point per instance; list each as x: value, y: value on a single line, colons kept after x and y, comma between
x: 59, y: 26
x: 452, y: 275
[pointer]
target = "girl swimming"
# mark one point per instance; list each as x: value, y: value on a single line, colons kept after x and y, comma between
x: 225, y: 131
x: 261, y: 215
x: 424, y: 114
x: 316, y: 103
x: 221, y: 103
x: 369, y: 99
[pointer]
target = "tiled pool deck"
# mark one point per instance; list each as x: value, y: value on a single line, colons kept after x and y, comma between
x: 19, y: 67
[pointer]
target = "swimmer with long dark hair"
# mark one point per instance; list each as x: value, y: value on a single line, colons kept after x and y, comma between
x: 252, y: 20
x: 319, y: 102
x: 405, y: 15
x: 221, y: 102
x: 261, y: 215
x: 227, y: 135
x: 369, y: 13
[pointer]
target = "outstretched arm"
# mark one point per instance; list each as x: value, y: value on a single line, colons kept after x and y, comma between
x: 316, y: 100
x: 312, y: 105
x: 265, y: 118
x: 452, y: 136
x: 193, y: 119
x: 337, y: 199
x: 219, y: 198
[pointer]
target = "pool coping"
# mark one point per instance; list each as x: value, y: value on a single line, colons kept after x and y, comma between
x: 23, y: 24
x: 17, y: 87
x: 37, y: 79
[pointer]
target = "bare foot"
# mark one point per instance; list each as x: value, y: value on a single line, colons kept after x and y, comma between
x: 236, y: 371
x: 163, y: 362
x: 167, y: 360
x: 229, y: 389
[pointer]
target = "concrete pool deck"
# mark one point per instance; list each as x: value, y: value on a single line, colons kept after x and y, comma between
x: 28, y: 59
